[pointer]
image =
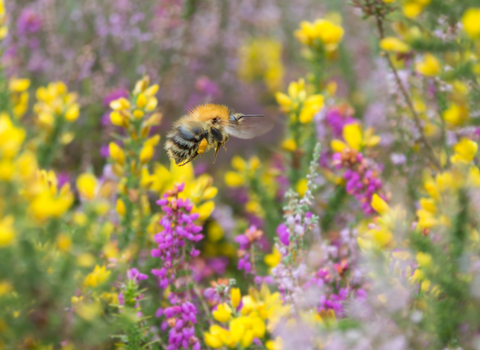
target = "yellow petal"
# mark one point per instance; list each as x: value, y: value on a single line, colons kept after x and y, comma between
x: 392, y: 44
x: 352, y: 134
x: 379, y: 204
x: 471, y: 22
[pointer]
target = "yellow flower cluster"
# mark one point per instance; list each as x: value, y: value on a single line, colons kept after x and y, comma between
x: 355, y: 138
x: 321, y: 33
x: 298, y: 103
x: 261, y: 60
x: 200, y: 191
x: 435, y: 210
x: 97, y: 276
x: 251, y: 174
x: 46, y: 200
x: 258, y: 308
x: 55, y: 104
x: 19, y: 96
x: 143, y: 101
x: 11, y: 140
x: 380, y: 235
x: 3, y: 18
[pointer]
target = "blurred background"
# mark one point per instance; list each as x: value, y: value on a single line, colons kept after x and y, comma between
x: 235, y: 53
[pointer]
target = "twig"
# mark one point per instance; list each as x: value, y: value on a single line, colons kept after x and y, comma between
x: 408, y: 99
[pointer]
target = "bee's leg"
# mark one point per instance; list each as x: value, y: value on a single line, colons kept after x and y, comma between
x: 223, y: 144
x: 217, y: 148
x: 202, y: 146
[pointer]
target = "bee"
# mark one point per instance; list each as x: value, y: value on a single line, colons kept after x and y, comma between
x: 210, y: 126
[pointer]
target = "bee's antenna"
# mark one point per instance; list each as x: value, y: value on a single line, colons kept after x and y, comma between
x: 250, y: 116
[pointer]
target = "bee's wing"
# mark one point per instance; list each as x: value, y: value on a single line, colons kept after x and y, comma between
x: 249, y: 126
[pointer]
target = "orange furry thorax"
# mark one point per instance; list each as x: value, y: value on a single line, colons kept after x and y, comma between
x: 209, y: 111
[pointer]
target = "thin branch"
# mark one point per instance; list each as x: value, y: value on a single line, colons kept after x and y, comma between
x: 408, y: 99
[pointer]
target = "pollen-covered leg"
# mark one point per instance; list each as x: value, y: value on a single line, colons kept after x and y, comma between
x: 202, y: 146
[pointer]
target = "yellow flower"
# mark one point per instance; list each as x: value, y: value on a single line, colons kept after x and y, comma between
x: 45, y: 199
x: 19, y: 85
x: 355, y: 139
x: 87, y: 185
x: 120, y: 104
x: 274, y: 258
x: 424, y: 259
x: 302, y: 187
x: 116, y: 153
x: 296, y: 95
x: 465, y: 151
x: 471, y: 22
x: 429, y: 66
x: 392, y: 44
x: 11, y: 137
x: 289, y: 145
x: 7, y: 232
x: 54, y: 101
x: 235, y: 297
x: 379, y: 204
x: 322, y: 31
x: 214, y: 338
x: 120, y: 207
x: 455, y: 115
x: 276, y: 344
x: 261, y: 59
x: 198, y: 190
x: 311, y: 106
x: 97, y: 276
x: 223, y: 313
x: 412, y: 8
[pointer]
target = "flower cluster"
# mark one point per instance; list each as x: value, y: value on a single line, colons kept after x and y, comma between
x: 362, y: 174
x: 179, y: 228
x: 298, y: 103
x: 322, y: 33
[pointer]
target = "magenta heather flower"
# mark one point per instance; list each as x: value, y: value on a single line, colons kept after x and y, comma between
x: 29, y: 22
x: 181, y: 318
x: 135, y: 275
x: 337, y: 118
x: 361, y: 176
x: 283, y: 234
x: 175, y: 247
x: 179, y: 230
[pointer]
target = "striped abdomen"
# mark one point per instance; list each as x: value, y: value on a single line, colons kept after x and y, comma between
x: 183, y: 142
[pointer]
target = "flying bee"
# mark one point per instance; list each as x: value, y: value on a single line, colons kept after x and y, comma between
x: 210, y: 126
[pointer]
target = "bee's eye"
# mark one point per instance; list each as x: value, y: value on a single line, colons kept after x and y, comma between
x: 232, y: 118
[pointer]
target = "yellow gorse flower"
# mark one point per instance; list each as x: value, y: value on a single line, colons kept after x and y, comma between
x: 298, y: 102
x: 321, y: 32
x: 465, y: 151
x: 46, y: 200
x: 261, y: 59
x: 97, y: 276
x: 3, y: 17
x: 429, y: 66
x: 54, y: 102
x: 471, y: 22
x: 412, y: 8
x: 7, y: 232
x: 19, y: 96
x: 356, y: 139
x: 200, y: 191
x: 87, y: 185
x: 436, y: 209
x: 392, y: 44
